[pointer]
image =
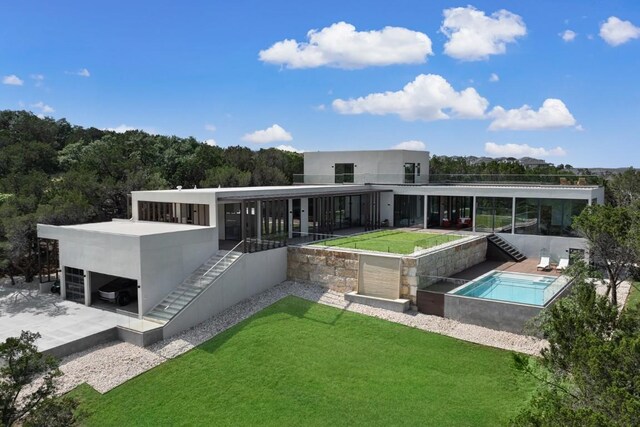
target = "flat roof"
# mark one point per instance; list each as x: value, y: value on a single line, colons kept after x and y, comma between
x: 134, y: 228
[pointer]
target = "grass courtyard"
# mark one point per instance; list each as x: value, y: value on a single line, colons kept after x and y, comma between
x: 393, y: 241
x: 301, y: 363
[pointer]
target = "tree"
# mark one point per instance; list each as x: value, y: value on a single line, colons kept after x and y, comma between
x: 21, y: 366
x: 611, y: 240
x: 590, y: 373
x: 623, y: 189
x: 226, y: 176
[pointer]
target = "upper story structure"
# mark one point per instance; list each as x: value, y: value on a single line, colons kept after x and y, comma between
x: 365, y: 167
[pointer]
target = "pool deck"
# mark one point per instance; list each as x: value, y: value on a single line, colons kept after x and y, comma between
x: 528, y: 266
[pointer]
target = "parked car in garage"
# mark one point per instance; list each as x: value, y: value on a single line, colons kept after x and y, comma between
x: 120, y: 291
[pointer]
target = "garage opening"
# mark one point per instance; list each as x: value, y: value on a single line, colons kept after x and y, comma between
x: 114, y: 293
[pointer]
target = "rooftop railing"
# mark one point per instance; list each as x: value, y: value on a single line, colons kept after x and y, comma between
x: 451, y: 179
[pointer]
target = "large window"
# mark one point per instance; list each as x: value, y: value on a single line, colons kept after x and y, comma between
x: 184, y: 213
x: 494, y: 214
x: 408, y: 210
x: 409, y: 173
x: 344, y: 173
x: 549, y: 217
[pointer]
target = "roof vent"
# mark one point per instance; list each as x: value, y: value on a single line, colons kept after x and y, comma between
x: 179, y: 187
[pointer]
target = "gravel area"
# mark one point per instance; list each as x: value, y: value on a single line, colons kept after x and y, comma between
x: 109, y: 365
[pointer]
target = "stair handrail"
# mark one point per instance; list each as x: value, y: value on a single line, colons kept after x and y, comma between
x: 201, y: 277
x: 220, y: 260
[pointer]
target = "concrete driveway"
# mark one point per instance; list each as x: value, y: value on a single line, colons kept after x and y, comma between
x: 23, y: 308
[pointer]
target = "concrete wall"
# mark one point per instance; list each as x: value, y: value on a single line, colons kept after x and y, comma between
x: 497, y: 315
x: 381, y: 166
x: 424, y: 270
x: 535, y: 246
x: 333, y: 269
x: 167, y: 259
x: 114, y: 254
x: 248, y: 276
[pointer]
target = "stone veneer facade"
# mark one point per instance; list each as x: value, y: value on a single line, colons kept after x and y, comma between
x: 338, y: 269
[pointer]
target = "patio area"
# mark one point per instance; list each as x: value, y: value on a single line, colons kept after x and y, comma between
x: 63, y: 325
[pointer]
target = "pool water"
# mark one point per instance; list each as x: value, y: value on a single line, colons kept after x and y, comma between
x: 512, y: 287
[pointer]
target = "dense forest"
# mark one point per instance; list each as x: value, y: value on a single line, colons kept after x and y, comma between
x: 56, y: 173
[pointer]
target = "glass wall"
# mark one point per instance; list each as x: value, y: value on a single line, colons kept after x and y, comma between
x: 494, y: 214
x: 548, y: 217
x: 184, y: 213
x: 408, y: 210
x: 74, y: 284
x: 449, y: 211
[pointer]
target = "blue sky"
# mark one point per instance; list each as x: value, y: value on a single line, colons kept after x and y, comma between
x: 221, y: 71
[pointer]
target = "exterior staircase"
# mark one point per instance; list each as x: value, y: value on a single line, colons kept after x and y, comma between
x: 506, y: 247
x: 192, y: 286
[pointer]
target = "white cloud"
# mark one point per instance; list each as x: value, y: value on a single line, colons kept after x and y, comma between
x: 210, y: 128
x: 521, y: 150
x: 552, y: 114
x: 121, y: 129
x: 43, y: 108
x: 494, y: 78
x: 83, y: 72
x: 341, y: 46
x: 320, y: 107
x: 410, y: 145
x: 289, y: 148
x: 568, y: 35
x: 428, y: 97
x: 616, y: 31
x: 210, y: 141
x: 38, y: 79
x: 12, y: 80
x: 275, y: 133
x: 473, y: 36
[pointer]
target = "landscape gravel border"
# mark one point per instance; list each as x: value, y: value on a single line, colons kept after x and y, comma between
x: 106, y: 366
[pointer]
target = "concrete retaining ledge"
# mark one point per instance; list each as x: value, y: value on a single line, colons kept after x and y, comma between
x: 398, y: 305
x: 140, y: 338
x: 83, y: 343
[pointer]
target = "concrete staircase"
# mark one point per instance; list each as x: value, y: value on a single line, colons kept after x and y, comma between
x: 506, y: 247
x: 188, y: 290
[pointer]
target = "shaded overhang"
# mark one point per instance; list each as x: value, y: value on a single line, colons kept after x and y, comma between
x: 311, y: 193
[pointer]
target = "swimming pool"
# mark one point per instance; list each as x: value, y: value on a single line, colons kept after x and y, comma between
x: 513, y: 287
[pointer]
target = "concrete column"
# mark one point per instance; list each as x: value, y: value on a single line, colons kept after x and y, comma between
x: 304, y: 216
x: 473, y: 220
x: 87, y: 287
x: 259, y: 219
x: 63, y: 285
x: 290, y: 216
x: 513, y: 216
x: 426, y: 215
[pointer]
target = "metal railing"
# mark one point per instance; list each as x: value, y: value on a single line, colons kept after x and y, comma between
x: 516, y: 179
x: 444, y: 179
x: 202, y: 287
x: 377, y: 242
x: 252, y: 245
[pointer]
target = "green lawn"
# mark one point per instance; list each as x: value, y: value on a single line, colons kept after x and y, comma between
x: 634, y: 296
x: 301, y: 363
x: 398, y: 242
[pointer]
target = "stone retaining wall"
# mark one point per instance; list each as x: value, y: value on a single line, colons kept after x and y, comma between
x: 424, y: 270
x: 339, y: 269
x: 333, y: 269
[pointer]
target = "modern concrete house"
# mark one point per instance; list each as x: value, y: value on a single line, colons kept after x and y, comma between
x: 179, y: 242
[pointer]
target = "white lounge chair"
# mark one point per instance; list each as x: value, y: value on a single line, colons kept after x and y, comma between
x: 563, y: 264
x: 545, y: 263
